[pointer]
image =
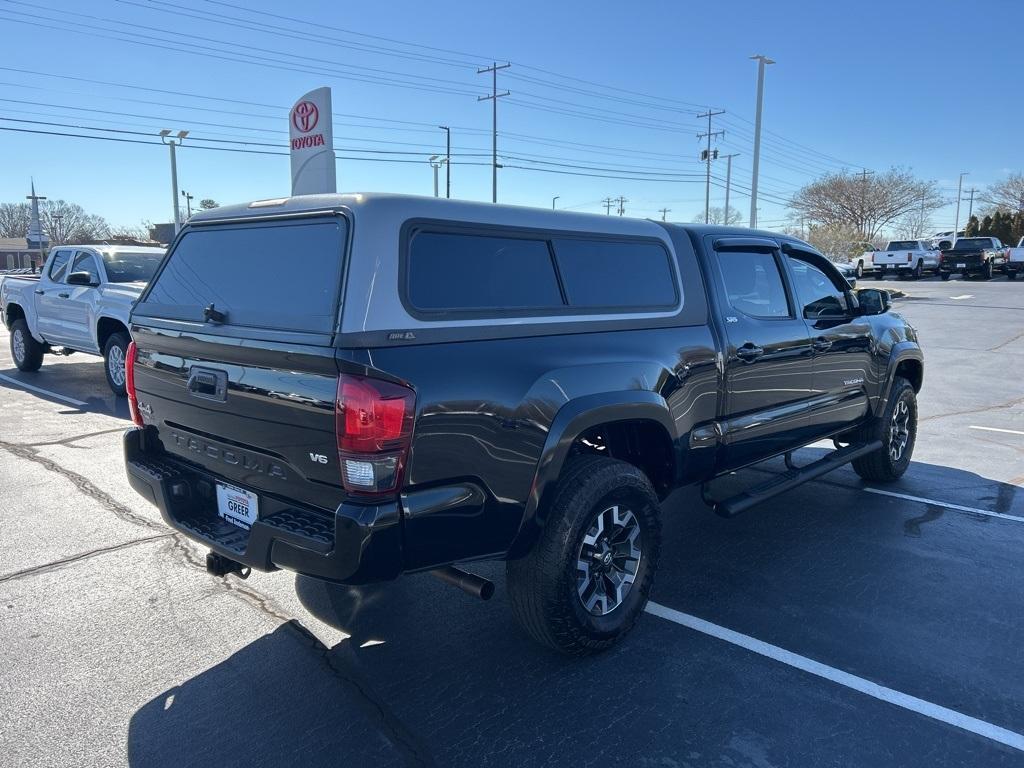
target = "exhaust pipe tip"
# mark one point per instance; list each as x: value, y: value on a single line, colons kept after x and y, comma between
x: 470, y: 583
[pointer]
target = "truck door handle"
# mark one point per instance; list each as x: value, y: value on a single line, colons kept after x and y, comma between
x: 40, y: 291
x: 821, y: 344
x: 64, y: 295
x: 749, y: 352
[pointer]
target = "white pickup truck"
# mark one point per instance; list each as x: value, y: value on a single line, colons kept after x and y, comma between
x: 79, y: 303
x: 906, y: 258
x: 1015, y: 260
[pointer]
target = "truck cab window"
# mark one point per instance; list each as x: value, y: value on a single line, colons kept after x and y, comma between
x: 59, y: 266
x: 753, y: 283
x: 84, y: 262
x: 817, y: 295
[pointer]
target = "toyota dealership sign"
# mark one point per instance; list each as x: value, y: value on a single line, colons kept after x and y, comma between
x: 312, y: 144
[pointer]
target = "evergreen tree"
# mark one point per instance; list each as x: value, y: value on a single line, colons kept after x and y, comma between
x: 986, y: 226
x: 972, y: 227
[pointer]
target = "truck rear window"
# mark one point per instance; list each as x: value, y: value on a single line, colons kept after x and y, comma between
x: 902, y: 245
x: 280, y: 275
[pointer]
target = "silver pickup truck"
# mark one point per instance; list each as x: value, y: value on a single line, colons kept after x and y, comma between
x: 79, y: 303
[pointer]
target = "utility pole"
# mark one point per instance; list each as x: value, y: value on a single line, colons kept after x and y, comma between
x: 728, y: 182
x: 165, y: 137
x: 57, y: 219
x: 707, y: 158
x: 448, y: 159
x: 493, y: 69
x: 664, y: 212
x: 188, y: 203
x: 622, y: 204
x: 970, y: 209
x: 762, y: 61
x: 959, y: 192
x: 864, y: 201
x: 607, y: 203
x: 553, y: 201
x: 920, y: 229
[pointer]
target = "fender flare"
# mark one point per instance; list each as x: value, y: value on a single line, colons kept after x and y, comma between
x: 573, y: 419
x: 901, y: 352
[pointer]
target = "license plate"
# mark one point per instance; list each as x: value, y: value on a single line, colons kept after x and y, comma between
x: 237, y: 506
x: 961, y: 265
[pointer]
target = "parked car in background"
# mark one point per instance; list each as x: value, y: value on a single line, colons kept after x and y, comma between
x: 1015, y: 261
x: 944, y: 240
x: 847, y: 270
x: 865, y: 263
x: 432, y: 382
x: 906, y: 258
x: 982, y: 256
x: 79, y: 303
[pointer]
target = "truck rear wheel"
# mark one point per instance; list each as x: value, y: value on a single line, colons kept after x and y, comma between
x: 987, y: 272
x: 114, y: 354
x: 899, y: 433
x: 587, y: 579
x: 944, y: 276
x: 26, y: 351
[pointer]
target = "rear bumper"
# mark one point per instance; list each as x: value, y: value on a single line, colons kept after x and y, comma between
x: 360, y: 543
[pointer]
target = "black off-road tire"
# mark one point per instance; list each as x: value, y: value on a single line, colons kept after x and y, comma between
x: 544, y: 585
x: 944, y: 276
x: 884, y: 465
x: 26, y: 351
x: 989, y: 272
x: 919, y: 270
x: 1011, y: 275
x: 115, y: 352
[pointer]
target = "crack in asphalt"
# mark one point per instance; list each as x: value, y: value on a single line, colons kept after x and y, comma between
x: 86, y: 486
x: 66, y: 561
x: 404, y: 740
x: 950, y: 414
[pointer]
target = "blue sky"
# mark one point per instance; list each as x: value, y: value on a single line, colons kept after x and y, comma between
x: 856, y: 84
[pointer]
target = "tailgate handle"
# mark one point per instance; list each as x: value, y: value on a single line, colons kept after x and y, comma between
x: 207, y: 383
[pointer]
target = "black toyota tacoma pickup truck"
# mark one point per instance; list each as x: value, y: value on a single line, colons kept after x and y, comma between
x: 354, y: 387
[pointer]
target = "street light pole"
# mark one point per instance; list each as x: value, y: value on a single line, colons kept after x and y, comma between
x: 553, y: 201
x: 448, y: 159
x: 436, y: 166
x: 165, y: 137
x: 959, y: 192
x: 188, y: 204
x: 761, y: 62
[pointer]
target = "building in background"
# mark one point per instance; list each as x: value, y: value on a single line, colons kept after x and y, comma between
x: 162, y: 233
x: 16, y: 254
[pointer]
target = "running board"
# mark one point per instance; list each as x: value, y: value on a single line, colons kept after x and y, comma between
x: 741, y: 502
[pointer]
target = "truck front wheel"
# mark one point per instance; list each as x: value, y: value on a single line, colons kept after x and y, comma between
x: 899, y: 433
x: 114, y: 353
x: 26, y: 351
x: 587, y: 579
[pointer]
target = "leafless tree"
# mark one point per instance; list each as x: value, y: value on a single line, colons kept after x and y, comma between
x: 14, y: 219
x: 716, y: 215
x: 840, y: 242
x: 869, y: 203
x: 1006, y: 195
x: 68, y: 222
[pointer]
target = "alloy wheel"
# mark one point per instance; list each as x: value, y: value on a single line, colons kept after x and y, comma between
x: 608, y: 560
x: 18, y: 344
x: 115, y: 365
x: 899, y: 431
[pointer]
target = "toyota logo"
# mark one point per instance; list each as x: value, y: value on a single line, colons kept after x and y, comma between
x: 305, y: 116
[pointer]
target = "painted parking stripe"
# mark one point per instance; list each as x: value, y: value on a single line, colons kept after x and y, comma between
x: 946, y: 504
x: 41, y: 391
x: 838, y: 676
x: 961, y: 298
x: 997, y: 429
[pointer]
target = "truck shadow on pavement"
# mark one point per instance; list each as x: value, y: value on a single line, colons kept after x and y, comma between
x: 83, y: 381
x: 430, y: 676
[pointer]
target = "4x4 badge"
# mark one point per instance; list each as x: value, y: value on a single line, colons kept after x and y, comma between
x: 401, y: 336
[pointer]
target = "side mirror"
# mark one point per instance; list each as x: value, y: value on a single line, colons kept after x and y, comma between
x: 873, y: 301
x: 81, y: 278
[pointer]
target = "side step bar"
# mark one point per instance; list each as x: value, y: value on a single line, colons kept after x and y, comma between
x: 741, y: 502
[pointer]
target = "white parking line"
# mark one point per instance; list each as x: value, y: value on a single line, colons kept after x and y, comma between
x: 946, y: 504
x: 997, y: 429
x: 40, y: 390
x: 838, y: 676
x: 961, y: 298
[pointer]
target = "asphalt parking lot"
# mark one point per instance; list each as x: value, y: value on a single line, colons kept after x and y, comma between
x: 839, y: 624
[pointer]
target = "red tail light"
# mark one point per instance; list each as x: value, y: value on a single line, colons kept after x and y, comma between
x: 129, y: 384
x: 373, y: 423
